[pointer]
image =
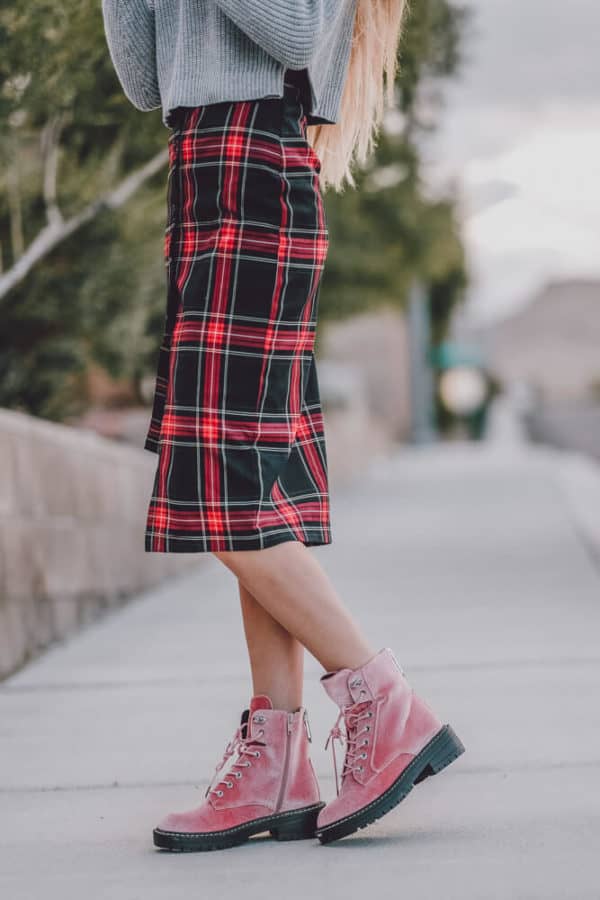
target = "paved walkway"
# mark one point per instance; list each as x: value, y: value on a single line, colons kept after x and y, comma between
x: 471, y: 564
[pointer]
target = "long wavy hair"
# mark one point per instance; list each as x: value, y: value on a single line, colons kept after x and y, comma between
x: 369, y: 88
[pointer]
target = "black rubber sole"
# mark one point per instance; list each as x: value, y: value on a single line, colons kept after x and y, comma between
x: 443, y: 748
x: 295, y: 825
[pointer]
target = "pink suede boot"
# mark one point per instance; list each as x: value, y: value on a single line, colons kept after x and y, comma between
x: 393, y: 741
x: 267, y: 783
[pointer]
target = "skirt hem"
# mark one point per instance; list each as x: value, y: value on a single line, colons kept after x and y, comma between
x: 199, y: 545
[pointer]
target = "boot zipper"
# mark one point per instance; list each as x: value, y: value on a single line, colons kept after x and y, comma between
x: 307, y: 726
x: 286, y: 760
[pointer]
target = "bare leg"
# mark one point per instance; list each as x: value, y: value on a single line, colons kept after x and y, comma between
x: 288, y: 582
x: 276, y: 657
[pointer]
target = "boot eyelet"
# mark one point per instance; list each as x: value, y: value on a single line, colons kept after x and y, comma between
x: 257, y: 754
x: 229, y: 784
x: 363, y: 755
x: 360, y: 768
x: 219, y: 793
x: 238, y: 774
x: 367, y: 727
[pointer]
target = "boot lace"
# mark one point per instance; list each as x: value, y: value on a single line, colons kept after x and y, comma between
x: 229, y: 751
x: 352, y: 737
x: 245, y: 747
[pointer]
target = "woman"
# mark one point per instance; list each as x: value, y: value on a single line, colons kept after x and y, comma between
x: 262, y: 99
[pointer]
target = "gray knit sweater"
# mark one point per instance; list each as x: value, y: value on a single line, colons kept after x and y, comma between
x: 170, y: 53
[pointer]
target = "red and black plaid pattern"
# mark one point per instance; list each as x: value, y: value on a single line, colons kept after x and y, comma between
x: 237, y: 420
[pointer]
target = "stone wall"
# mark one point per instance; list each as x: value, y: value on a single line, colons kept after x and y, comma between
x: 72, y: 510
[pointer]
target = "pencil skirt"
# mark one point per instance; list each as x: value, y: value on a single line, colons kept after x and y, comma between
x: 236, y: 419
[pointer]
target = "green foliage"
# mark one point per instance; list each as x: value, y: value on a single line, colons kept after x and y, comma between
x: 99, y: 297
x: 93, y: 298
x: 387, y: 232
x: 430, y: 48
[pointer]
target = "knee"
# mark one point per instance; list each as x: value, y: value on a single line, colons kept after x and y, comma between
x: 246, y: 560
x: 233, y: 559
x: 227, y: 557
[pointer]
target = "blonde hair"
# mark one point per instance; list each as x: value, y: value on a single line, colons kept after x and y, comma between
x: 368, y: 89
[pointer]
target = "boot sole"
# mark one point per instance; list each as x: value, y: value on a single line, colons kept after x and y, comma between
x: 295, y: 825
x: 443, y: 748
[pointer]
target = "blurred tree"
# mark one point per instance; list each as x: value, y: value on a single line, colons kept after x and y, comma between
x: 82, y: 205
x: 389, y: 232
x: 79, y: 281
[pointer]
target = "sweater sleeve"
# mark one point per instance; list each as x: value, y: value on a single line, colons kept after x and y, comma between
x: 289, y: 30
x: 130, y: 35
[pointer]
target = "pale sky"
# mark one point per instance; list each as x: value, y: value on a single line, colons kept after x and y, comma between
x: 521, y: 132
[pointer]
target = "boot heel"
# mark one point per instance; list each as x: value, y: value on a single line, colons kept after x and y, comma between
x: 299, y: 826
x: 447, y: 747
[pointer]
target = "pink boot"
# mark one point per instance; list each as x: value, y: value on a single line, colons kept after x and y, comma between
x: 267, y: 783
x: 393, y: 741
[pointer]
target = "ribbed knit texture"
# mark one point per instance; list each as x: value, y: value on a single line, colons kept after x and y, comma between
x: 170, y: 53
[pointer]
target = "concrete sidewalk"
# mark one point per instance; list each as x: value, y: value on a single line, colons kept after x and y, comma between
x: 470, y: 563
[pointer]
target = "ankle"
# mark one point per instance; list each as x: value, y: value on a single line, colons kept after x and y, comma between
x: 282, y: 701
x: 352, y: 660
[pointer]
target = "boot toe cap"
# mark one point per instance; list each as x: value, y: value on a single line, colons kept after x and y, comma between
x: 184, y: 822
x: 335, y: 810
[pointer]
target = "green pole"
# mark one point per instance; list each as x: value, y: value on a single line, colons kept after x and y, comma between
x: 421, y: 373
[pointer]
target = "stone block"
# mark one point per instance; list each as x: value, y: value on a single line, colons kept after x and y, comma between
x: 52, y: 461
x: 13, y: 639
x: 27, y: 477
x: 21, y: 575
x: 65, y: 558
x: 8, y: 481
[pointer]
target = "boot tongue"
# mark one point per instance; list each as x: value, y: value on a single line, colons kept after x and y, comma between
x: 336, y: 685
x: 258, y: 702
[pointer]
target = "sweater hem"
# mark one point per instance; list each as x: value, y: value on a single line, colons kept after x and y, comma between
x: 314, y: 117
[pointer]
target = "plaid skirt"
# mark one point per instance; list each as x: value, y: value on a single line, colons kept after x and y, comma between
x: 236, y: 420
